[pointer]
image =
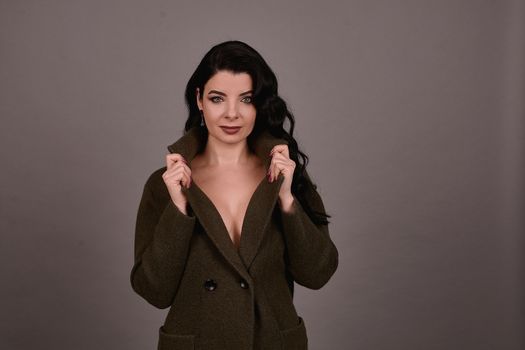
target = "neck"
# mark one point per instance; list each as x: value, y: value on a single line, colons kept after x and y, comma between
x: 218, y: 153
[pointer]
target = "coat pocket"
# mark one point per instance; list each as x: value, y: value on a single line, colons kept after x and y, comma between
x: 295, y: 338
x: 170, y: 341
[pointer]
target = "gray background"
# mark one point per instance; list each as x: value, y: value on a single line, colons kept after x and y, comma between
x: 411, y: 113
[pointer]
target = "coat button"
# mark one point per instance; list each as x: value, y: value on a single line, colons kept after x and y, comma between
x: 210, y: 284
x: 243, y: 283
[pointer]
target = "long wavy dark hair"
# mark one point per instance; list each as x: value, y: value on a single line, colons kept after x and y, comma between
x: 271, y: 110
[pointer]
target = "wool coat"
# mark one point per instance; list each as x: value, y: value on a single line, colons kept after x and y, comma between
x: 221, y: 297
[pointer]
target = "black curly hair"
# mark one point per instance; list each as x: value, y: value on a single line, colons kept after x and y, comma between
x: 271, y: 110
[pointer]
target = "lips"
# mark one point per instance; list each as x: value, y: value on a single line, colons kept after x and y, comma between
x: 230, y: 130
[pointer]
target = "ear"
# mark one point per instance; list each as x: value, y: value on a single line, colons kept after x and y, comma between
x: 198, y: 97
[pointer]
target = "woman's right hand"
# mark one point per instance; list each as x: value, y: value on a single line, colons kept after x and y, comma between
x: 177, y: 174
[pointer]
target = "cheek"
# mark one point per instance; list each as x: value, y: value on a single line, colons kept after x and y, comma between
x: 249, y: 112
x: 212, y: 110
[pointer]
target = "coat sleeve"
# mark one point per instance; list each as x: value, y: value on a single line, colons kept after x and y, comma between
x: 312, y: 256
x: 162, y: 239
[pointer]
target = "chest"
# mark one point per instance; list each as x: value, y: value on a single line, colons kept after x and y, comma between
x: 230, y: 191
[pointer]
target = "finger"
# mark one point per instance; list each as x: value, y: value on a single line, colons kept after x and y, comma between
x: 279, y: 152
x: 282, y: 148
x: 281, y: 169
x: 271, y: 168
x: 185, y: 177
x: 174, y: 158
x: 278, y: 168
x: 280, y: 156
x: 277, y: 164
x: 174, y: 178
x: 270, y: 172
x: 280, y: 165
x: 179, y: 174
x: 180, y: 164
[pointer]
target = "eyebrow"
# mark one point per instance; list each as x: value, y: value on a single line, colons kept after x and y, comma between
x: 223, y: 94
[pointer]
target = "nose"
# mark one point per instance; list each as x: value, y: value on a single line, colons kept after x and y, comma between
x: 232, y: 111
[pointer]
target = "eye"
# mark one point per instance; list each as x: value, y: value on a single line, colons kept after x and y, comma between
x: 213, y: 99
x: 249, y: 99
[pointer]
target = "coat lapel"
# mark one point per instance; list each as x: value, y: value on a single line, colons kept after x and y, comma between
x: 258, y: 212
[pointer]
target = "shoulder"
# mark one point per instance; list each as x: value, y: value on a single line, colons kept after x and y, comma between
x: 155, y: 183
x: 312, y: 193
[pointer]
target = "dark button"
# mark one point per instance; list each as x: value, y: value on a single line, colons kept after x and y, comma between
x: 210, y: 284
x: 243, y: 283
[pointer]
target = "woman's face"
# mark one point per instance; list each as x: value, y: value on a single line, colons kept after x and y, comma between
x: 227, y: 101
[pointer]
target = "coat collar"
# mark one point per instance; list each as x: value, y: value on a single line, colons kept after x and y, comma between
x: 258, y: 212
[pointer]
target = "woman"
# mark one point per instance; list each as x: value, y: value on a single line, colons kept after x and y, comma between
x: 233, y: 219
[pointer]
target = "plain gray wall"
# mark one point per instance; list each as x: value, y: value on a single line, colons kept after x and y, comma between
x: 411, y: 113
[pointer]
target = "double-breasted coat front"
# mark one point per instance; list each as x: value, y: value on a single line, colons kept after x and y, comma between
x: 220, y: 297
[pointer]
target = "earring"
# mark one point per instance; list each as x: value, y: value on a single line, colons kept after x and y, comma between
x: 202, y: 118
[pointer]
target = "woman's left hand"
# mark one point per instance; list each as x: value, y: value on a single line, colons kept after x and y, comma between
x: 281, y: 163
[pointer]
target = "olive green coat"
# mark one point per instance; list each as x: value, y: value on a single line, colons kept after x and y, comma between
x: 220, y: 297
